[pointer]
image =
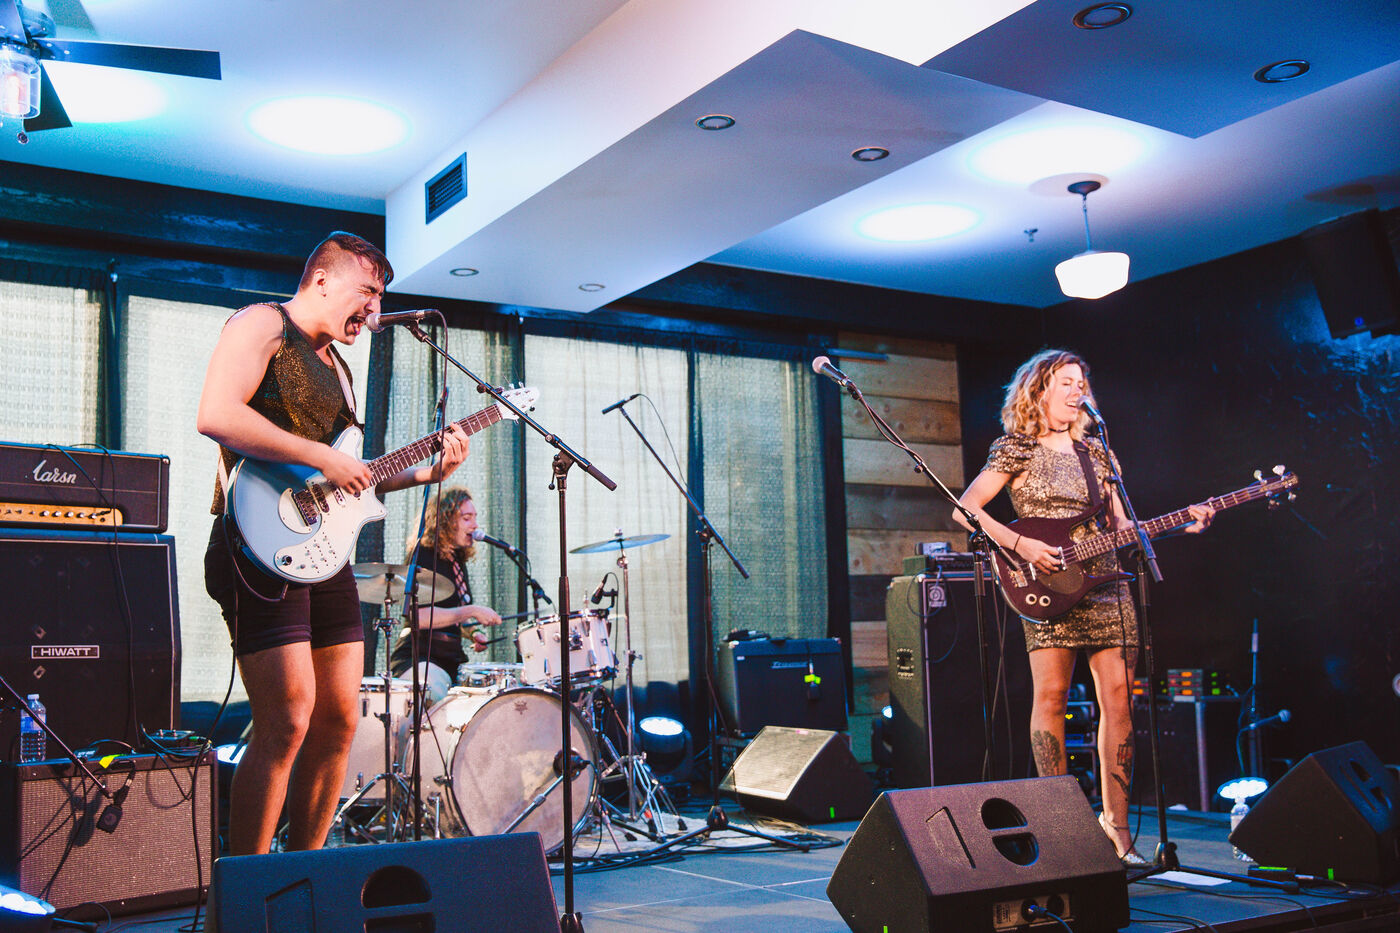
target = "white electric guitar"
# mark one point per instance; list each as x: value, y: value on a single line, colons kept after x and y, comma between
x: 302, y: 528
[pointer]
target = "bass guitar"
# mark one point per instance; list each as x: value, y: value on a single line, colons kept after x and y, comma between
x: 1039, y: 596
x: 296, y: 525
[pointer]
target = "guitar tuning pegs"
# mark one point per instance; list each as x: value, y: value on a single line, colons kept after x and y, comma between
x: 1259, y: 475
x: 1278, y: 469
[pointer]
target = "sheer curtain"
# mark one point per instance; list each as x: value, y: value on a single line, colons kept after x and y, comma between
x: 162, y: 380
x: 51, y: 378
x: 761, y: 444
x: 491, y: 470
x: 577, y: 379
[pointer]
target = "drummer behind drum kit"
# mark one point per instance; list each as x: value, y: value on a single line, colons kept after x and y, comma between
x: 490, y: 757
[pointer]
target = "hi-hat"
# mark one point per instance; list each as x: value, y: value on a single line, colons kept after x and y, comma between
x: 618, y: 543
x: 380, y: 582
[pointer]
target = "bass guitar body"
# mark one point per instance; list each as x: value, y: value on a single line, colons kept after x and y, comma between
x: 1041, y: 596
x: 283, y: 538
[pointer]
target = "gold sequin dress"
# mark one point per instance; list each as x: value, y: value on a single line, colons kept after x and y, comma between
x: 1055, y: 488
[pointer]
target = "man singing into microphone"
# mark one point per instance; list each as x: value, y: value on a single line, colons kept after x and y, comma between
x: 445, y: 548
x: 277, y: 390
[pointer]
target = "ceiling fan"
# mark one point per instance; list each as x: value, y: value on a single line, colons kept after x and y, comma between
x: 25, y: 91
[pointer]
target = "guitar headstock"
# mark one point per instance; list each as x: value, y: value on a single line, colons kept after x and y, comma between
x: 522, y: 397
x: 1275, y: 486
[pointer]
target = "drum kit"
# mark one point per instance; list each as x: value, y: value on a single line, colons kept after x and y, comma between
x: 489, y: 753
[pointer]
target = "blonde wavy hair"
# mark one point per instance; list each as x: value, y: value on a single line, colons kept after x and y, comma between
x: 442, y: 515
x: 1023, y: 411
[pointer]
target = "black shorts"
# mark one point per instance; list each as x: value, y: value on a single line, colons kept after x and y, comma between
x: 325, y: 613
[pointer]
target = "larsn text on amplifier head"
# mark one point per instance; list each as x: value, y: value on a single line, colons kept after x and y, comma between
x: 45, y: 485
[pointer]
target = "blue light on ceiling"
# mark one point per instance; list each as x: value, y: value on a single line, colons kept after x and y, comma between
x: 99, y: 94
x: 918, y: 223
x: 328, y: 125
x: 1026, y: 156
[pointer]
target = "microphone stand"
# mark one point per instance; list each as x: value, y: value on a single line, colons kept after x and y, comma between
x: 1164, y: 858
x: 564, y: 460
x: 716, y: 819
x: 982, y: 546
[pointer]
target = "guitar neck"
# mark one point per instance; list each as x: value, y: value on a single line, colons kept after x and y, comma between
x: 1113, y: 540
x: 395, y: 462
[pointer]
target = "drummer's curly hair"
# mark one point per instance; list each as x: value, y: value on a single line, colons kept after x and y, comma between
x: 441, y: 515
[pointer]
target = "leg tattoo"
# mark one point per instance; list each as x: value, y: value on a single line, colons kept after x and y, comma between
x: 1049, y: 760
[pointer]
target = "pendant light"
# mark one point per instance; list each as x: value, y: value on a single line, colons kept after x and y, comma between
x: 1092, y: 273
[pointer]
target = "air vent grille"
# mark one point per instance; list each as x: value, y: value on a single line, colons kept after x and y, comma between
x: 446, y: 188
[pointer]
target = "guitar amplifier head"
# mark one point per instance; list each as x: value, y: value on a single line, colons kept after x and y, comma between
x: 46, y: 485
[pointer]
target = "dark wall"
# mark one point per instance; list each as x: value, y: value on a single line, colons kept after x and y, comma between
x: 1204, y: 376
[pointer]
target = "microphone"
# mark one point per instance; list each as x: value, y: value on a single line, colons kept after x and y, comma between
x: 619, y: 404
x: 822, y: 367
x: 379, y: 320
x: 599, y: 593
x: 480, y: 535
x: 1277, y: 719
x: 1090, y: 410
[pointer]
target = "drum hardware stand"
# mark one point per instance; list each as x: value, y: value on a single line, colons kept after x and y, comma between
x: 981, y: 542
x: 716, y: 819
x: 564, y: 459
x: 638, y: 774
x: 576, y: 765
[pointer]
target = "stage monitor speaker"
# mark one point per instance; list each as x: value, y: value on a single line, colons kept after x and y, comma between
x: 807, y: 775
x: 935, y: 678
x: 1355, y: 274
x: 93, y: 628
x: 160, y: 854
x: 798, y: 682
x: 972, y: 858
x: 1333, y: 814
x: 479, y: 884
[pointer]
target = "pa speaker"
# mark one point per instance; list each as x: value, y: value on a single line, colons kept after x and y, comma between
x: 808, y: 775
x: 479, y: 884
x: 1333, y: 812
x: 974, y: 858
x: 159, y: 854
x: 1354, y: 272
x: 95, y: 631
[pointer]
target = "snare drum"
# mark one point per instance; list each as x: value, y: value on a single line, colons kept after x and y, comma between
x: 591, y: 658
x: 367, y: 747
x: 489, y: 676
x: 487, y: 756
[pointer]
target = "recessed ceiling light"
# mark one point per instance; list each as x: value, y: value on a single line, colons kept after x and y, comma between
x: 1102, y: 15
x: 1028, y: 155
x: 870, y: 154
x: 715, y: 121
x: 590, y: 287
x: 1279, y: 72
x: 464, y: 271
x: 917, y: 223
x: 328, y: 125
x: 97, y: 94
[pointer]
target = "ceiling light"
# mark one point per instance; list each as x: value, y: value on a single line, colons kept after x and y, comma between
x: 870, y: 153
x: 715, y: 121
x: 1029, y: 155
x: 590, y: 287
x: 1279, y: 72
x: 463, y: 271
x: 1102, y: 15
x: 1092, y: 273
x: 98, y: 94
x: 19, y: 83
x: 328, y: 125
x: 916, y: 223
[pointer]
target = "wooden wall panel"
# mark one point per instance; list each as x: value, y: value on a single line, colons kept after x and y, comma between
x: 905, y: 377
x: 898, y: 507
x: 883, y: 552
x: 883, y: 464
x: 915, y: 420
x: 902, y: 346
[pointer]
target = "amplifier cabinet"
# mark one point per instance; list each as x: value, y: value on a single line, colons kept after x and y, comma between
x: 91, y: 624
x: 45, y: 485
x: 161, y: 853
x: 797, y: 682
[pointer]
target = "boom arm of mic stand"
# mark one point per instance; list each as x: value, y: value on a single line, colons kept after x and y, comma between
x: 705, y: 527
x: 550, y: 438
x: 48, y: 730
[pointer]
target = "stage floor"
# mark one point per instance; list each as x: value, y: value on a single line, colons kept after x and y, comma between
x: 731, y: 886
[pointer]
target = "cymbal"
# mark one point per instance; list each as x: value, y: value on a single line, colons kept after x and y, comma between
x: 378, y: 582
x: 618, y: 544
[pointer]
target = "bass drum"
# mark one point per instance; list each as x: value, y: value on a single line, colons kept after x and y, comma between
x: 487, y: 756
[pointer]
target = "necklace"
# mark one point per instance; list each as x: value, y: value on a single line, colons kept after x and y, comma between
x: 1059, y: 430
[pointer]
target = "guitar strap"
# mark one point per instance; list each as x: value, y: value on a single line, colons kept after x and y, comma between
x: 1090, y: 478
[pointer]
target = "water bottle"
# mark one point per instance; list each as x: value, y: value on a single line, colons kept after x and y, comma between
x: 1237, y: 813
x: 31, y: 734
